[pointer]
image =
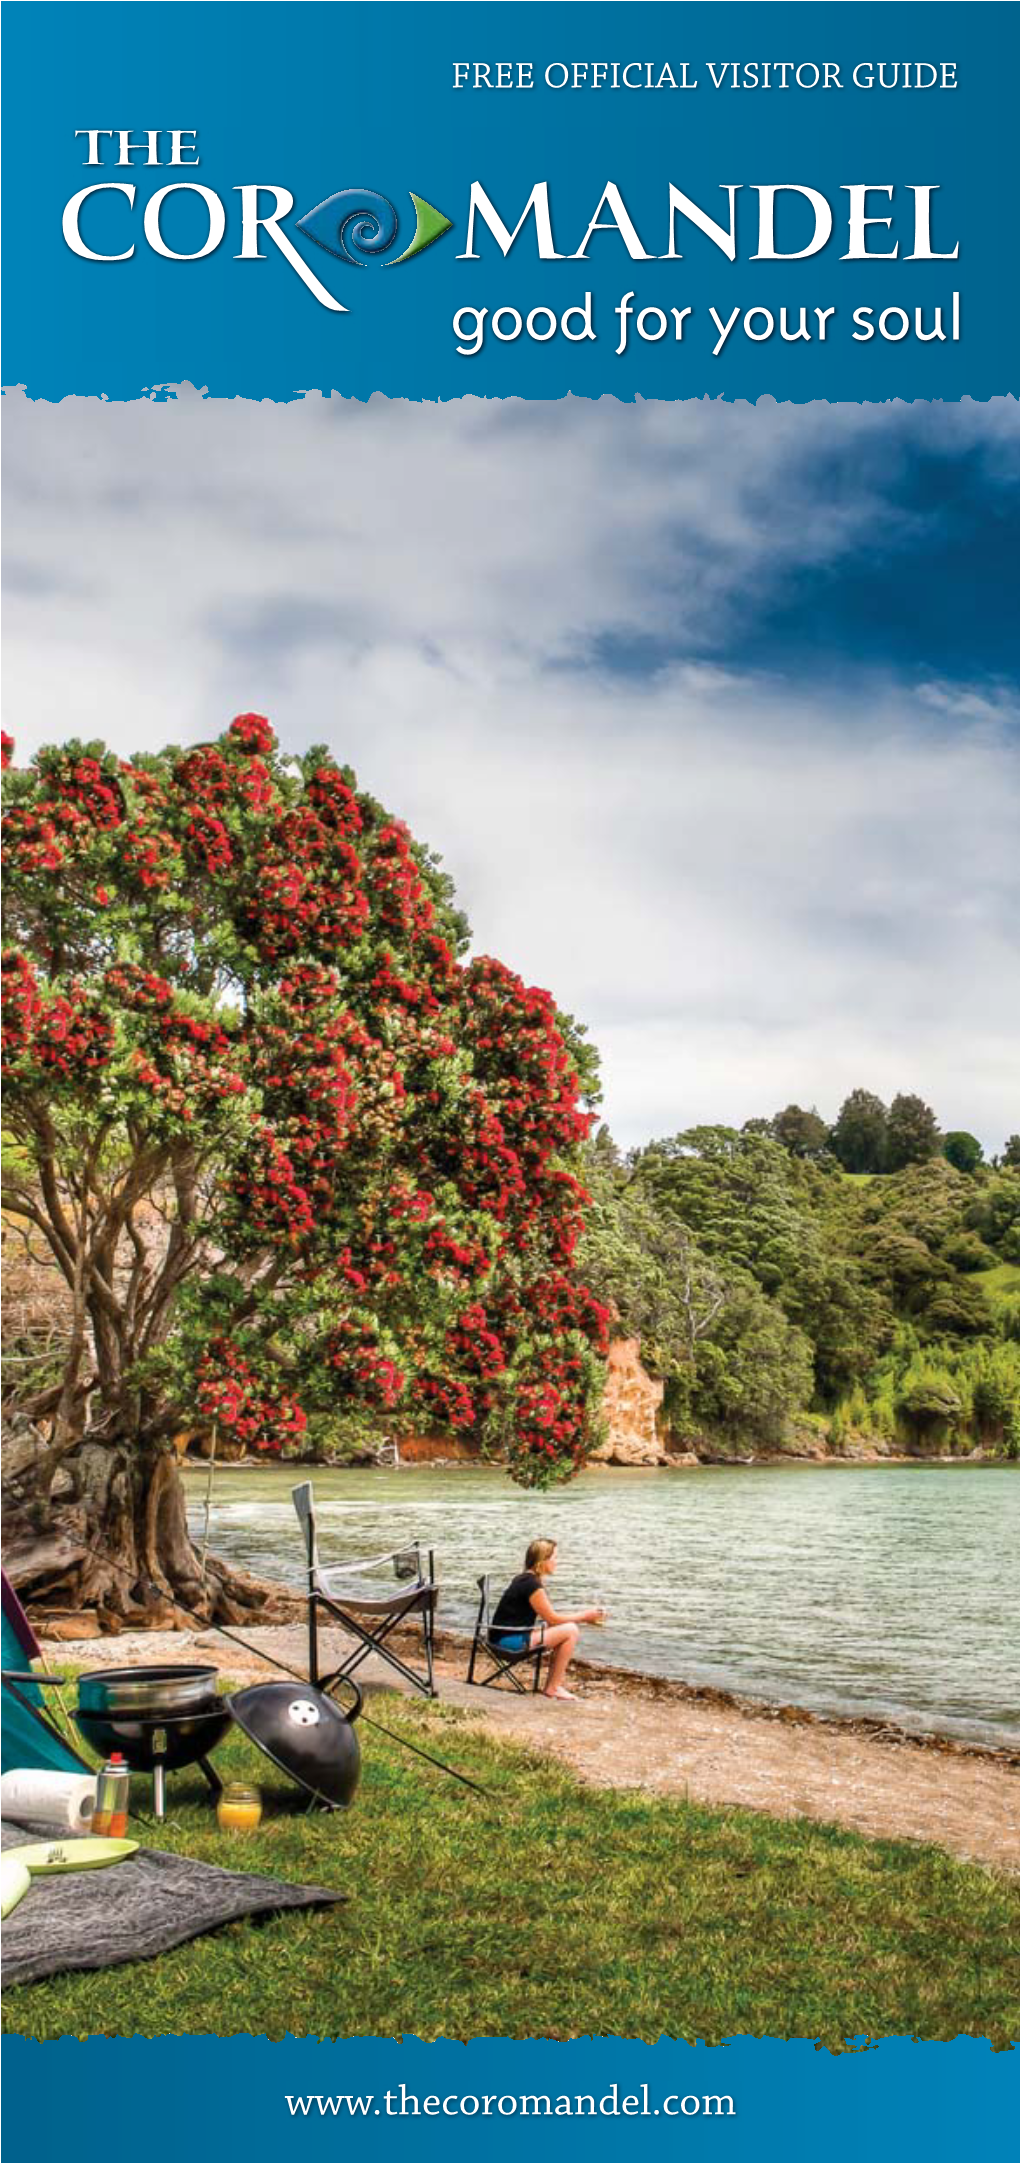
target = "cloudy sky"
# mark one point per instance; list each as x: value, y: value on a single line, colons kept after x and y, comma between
x: 712, y: 710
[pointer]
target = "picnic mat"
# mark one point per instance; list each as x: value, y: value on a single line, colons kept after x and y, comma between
x: 132, y: 1910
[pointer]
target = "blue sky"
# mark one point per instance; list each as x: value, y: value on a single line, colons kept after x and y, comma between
x: 935, y: 590
x: 712, y: 710
x: 929, y: 585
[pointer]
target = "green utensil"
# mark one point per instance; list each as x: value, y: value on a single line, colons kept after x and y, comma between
x: 45, y: 1858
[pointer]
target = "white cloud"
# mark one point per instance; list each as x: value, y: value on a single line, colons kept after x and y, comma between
x: 750, y: 890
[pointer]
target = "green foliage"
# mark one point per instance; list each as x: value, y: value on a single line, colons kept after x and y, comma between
x: 994, y: 1213
x: 764, y: 1285
x: 750, y: 1204
x: 859, y: 1135
x: 1009, y: 1320
x: 904, y: 1265
x: 804, y: 1134
x: 959, y: 1308
x: 644, y: 1261
x: 951, y: 1399
x: 900, y: 1227
x: 752, y: 1371
x: 927, y: 1399
x: 735, y: 1192
x: 966, y: 1252
x: 963, y: 1150
x: 689, y: 1243
x: 1001, y: 1287
x: 912, y: 1133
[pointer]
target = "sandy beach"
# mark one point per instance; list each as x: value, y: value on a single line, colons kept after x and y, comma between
x: 636, y: 1731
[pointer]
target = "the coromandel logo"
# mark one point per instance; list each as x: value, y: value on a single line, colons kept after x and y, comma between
x: 184, y: 221
x: 360, y: 226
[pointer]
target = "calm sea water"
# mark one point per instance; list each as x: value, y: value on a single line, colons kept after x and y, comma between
x: 885, y: 1590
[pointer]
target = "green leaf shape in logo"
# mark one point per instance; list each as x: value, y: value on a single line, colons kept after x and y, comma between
x: 430, y: 225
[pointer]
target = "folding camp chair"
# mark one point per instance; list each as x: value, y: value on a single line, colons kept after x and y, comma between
x: 486, y: 1641
x: 365, y: 1608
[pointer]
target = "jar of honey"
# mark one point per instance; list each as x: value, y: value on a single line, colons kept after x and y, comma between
x: 239, y: 1808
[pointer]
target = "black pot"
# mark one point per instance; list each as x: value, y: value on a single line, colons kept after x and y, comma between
x: 305, y: 1735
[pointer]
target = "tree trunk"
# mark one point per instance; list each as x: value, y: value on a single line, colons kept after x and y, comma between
x: 114, y: 1538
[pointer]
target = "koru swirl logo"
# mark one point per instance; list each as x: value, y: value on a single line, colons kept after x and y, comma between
x: 359, y: 226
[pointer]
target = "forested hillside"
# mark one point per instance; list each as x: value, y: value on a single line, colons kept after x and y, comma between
x: 788, y: 1301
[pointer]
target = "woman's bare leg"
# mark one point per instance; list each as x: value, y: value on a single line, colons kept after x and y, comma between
x: 561, y: 1641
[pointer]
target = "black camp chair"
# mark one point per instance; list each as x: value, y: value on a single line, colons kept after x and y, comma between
x: 502, y: 1665
x: 358, y: 1596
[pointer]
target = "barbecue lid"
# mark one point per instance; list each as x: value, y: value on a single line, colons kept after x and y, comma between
x: 305, y: 1735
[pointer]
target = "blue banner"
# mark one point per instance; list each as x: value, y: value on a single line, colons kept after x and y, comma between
x: 743, y: 2100
x: 648, y: 201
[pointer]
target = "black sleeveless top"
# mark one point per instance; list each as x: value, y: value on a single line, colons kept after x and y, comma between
x: 514, y: 1610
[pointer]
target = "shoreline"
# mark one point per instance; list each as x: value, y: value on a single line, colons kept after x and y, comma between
x: 641, y: 1732
x: 775, y: 1461
x: 626, y: 1682
x: 638, y: 1682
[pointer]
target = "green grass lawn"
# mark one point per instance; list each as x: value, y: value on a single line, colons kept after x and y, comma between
x: 1000, y: 1283
x: 563, y: 1910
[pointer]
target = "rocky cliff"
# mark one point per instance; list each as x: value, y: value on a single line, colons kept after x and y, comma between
x: 631, y: 1408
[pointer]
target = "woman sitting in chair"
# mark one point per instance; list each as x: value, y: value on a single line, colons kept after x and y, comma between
x: 526, y: 1620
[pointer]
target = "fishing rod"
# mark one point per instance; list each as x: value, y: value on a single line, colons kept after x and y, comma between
x: 271, y: 1660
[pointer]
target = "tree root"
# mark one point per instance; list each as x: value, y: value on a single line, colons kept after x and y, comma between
x: 120, y: 1547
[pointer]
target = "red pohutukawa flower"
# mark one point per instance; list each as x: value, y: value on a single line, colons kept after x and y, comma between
x: 234, y: 982
x: 444, y: 1401
x: 361, y: 1367
x: 252, y: 732
x: 51, y: 1038
x: 252, y: 1410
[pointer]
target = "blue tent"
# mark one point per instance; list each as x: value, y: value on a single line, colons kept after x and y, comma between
x: 28, y: 1737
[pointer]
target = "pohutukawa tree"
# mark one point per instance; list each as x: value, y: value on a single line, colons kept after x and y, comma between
x: 300, y: 1165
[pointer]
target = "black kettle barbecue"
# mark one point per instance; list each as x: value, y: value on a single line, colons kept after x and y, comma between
x: 159, y: 1718
x: 306, y: 1735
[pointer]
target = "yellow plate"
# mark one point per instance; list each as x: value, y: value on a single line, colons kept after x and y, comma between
x: 46, y: 1857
